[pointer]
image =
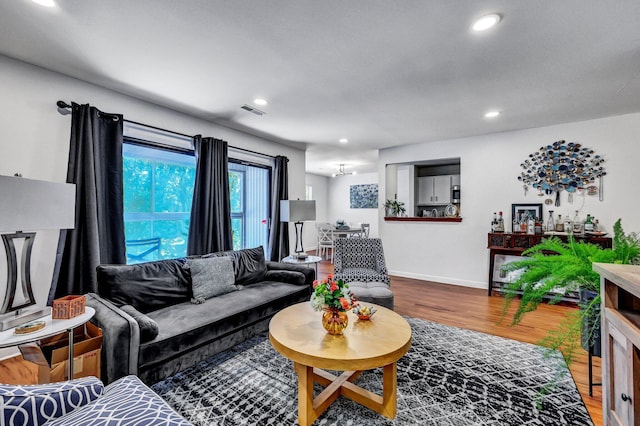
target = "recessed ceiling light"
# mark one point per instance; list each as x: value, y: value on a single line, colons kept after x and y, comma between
x: 492, y: 114
x: 260, y: 101
x: 486, y: 22
x: 343, y: 140
x: 46, y: 3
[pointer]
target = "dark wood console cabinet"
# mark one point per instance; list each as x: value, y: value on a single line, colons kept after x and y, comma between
x: 515, y: 243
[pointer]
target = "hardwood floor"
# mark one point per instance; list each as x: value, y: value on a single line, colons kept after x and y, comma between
x: 446, y: 304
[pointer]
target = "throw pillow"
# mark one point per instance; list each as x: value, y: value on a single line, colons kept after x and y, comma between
x: 210, y: 277
x: 148, y: 328
x: 249, y: 264
x: 146, y: 286
x: 37, y: 404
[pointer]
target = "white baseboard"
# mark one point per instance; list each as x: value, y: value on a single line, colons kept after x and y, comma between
x: 8, y: 353
x: 443, y: 280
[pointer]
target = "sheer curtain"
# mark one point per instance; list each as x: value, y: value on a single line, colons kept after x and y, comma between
x: 210, y: 226
x: 95, y: 166
x: 279, y: 231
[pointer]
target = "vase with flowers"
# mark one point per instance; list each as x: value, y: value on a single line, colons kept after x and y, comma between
x: 334, y: 298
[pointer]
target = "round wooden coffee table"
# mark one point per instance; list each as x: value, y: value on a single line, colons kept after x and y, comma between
x: 297, y: 333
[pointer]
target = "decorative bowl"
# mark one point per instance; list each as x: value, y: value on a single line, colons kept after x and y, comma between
x: 364, y: 312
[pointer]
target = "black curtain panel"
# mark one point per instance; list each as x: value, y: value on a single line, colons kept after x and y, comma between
x: 210, y: 227
x: 279, y: 231
x: 95, y: 166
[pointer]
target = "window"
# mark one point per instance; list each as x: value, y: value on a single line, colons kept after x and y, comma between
x: 308, y: 192
x: 158, y: 191
x: 249, y: 190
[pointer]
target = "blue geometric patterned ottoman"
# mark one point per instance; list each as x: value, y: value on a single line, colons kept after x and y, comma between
x: 37, y: 404
x: 86, y: 402
x: 126, y: 401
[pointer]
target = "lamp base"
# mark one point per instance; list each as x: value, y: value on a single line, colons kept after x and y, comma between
x: 11, y: 319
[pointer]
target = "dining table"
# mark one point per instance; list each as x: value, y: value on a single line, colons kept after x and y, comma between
x: 342, y: 232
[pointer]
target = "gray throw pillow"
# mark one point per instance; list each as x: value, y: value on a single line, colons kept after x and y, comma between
x: 148, y: 328
x: 210, y: 277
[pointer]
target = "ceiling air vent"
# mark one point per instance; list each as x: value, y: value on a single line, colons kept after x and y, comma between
x: 253, y: 110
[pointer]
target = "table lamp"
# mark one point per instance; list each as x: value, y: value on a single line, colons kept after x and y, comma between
x: 298, y: 211
x: 28, y: 205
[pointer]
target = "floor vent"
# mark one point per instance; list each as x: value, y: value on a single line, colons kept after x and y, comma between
x: 253, y: 110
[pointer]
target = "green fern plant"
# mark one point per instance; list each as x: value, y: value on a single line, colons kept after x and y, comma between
x: 554, y: 268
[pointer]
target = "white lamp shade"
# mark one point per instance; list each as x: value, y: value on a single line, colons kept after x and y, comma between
x: 32, y: 205
x: 297, y: 210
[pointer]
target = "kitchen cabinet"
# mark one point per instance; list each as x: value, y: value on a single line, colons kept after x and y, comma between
x: 434, y: 190
x: 620, y: 291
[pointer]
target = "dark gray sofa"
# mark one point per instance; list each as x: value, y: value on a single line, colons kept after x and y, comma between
x: 187, y: 333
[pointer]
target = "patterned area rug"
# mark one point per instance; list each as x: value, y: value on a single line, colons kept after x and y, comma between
x: 450, y: 376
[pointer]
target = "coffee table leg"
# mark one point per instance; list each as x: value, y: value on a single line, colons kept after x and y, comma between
x: 310, y: 408
x: 306, y: 413
x: 389, y: 390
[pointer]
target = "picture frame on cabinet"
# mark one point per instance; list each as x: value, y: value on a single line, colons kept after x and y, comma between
x: 535, y: 210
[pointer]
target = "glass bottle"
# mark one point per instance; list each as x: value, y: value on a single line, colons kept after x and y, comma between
x: 559, y: 224
x: 494, y: 222
x: 588, y: 224
x: 500, y: 227
x: 550, y: 224
x: 531, y: 228
x: 577, y: 224
x: 537, y: 226
x: 567, y: 225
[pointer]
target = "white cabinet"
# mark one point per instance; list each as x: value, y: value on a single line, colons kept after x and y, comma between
x: 434, y: 190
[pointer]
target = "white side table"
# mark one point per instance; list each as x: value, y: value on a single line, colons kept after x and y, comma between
x: 309, y: 260
x: 51, y: 328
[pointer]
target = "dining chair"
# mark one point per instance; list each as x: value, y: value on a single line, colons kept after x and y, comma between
x: 325, y: 239
x: 365, y: 227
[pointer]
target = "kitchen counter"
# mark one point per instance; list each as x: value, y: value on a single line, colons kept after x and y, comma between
x: 422, y: 219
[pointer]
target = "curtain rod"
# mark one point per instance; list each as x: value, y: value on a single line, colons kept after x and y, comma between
x: 64, y: 105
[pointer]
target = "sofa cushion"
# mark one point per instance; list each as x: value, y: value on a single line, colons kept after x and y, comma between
x: 37, y: 404
x: 145, y: 286
x: 186, y: 326
x: 291, y: 277
x: 211, y: 277
x: 249, y: 264
x: 126, y: 401
x: 148, y: 327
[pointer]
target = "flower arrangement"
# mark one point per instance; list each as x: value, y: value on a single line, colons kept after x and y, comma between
x: 332, y: 294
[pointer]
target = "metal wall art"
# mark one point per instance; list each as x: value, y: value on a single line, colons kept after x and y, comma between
x: 563, y: 166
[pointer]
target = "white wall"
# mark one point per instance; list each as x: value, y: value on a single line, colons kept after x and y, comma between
x: 34, y: 139
x: 490, y: 164
x: 338, y: 204
x: 320, y: 185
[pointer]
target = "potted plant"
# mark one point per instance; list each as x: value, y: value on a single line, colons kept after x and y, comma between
x: 394, y: 207
x: 555, y: 268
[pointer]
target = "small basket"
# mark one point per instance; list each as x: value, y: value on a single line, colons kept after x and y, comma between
x: 68, y: 307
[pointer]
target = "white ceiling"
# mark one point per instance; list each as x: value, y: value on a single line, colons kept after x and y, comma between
x: 379, y: 72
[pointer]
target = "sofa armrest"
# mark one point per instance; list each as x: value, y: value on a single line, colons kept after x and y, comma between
x: 121, y: 339
x: 38, y: 404
x: 309, y: 273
